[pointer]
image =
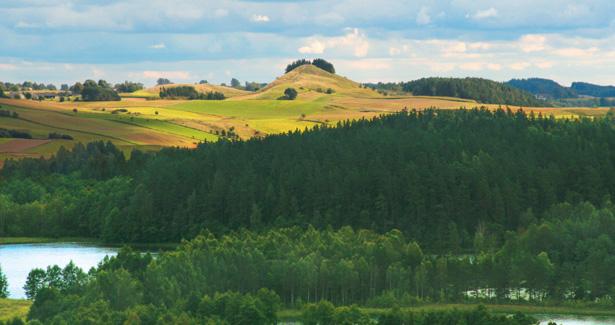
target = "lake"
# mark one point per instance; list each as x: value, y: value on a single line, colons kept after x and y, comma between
x: 18, y: 259
x: 575, y: 320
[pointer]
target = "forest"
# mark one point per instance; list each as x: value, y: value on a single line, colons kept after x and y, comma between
x: 416, y: 207
x: 429, y: 174
x: 223, y: 280
x: 478, y: 89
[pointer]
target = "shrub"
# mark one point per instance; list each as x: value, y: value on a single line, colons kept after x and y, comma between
x: 290, y: 94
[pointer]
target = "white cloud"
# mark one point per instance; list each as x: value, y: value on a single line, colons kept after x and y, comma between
x: 313, y: 47
x: 182, y: 75
x: 544, y: 64
x: 365, y: 64
x: 532, y: 43
x: 471, y: 66
x: 354, y: 41
x: 484, y: 14
x: 494, y: 66
x: 519, y: 65
x: 220, y: 12
x: 260, y: 18
x: 158, y: 46
x: 576, y: 52
x: 422, y: 17
x: 24, y: 25
x: 6, y: 66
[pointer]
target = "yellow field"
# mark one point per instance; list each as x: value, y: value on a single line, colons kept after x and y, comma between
x: 140, y: 122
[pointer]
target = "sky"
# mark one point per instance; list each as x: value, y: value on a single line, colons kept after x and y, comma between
x: 367, y: 41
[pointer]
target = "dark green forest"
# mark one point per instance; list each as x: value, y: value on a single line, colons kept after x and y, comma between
x: 429, y: 174
x: 479, y: 89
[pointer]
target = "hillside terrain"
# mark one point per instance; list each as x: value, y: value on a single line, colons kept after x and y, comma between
x: 141, y: 120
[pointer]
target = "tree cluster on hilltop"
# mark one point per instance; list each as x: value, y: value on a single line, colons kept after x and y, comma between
x: 321, y: 63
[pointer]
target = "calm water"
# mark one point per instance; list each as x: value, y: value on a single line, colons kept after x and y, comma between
x: 575, y: 320
x: 17, y: 260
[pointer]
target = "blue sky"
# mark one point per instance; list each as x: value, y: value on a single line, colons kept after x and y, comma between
x: 186, y: 41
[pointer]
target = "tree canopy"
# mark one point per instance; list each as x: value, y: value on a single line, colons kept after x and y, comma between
x: 321, y: 63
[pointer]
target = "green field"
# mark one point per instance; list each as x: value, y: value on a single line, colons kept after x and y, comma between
x: 11, y: 308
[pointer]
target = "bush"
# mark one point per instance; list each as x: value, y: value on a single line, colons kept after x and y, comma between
x: 290, y: 94
x: 5, y: 133
x: 55, y: 135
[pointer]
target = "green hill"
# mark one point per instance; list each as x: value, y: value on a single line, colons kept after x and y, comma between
x: 309, y: 78
x: 482, y: 90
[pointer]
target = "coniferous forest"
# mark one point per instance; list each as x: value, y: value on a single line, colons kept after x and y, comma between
x: 418, y: 206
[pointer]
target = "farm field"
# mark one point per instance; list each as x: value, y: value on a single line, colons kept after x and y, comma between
x: 138, y: 121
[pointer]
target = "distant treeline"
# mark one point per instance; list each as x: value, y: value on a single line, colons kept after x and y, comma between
x: 481, y: 90
x: 189, y: 92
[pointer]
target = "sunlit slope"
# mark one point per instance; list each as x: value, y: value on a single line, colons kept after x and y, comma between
x: 308, y: 79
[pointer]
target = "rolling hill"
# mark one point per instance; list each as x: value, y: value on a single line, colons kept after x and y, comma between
x: 143, y: 121
x: 309, y: 78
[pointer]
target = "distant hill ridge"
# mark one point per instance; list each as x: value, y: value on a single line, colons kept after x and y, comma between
x: 550, y: 89
x: 479, y: 89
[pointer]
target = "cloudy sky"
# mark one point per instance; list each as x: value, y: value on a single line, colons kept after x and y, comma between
x: 189, y: 40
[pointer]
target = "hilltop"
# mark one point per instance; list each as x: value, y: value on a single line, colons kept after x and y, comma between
x: 309, y: 78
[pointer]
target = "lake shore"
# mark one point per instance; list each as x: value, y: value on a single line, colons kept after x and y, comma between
x: 83, y: 240
x: 295, y: 314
